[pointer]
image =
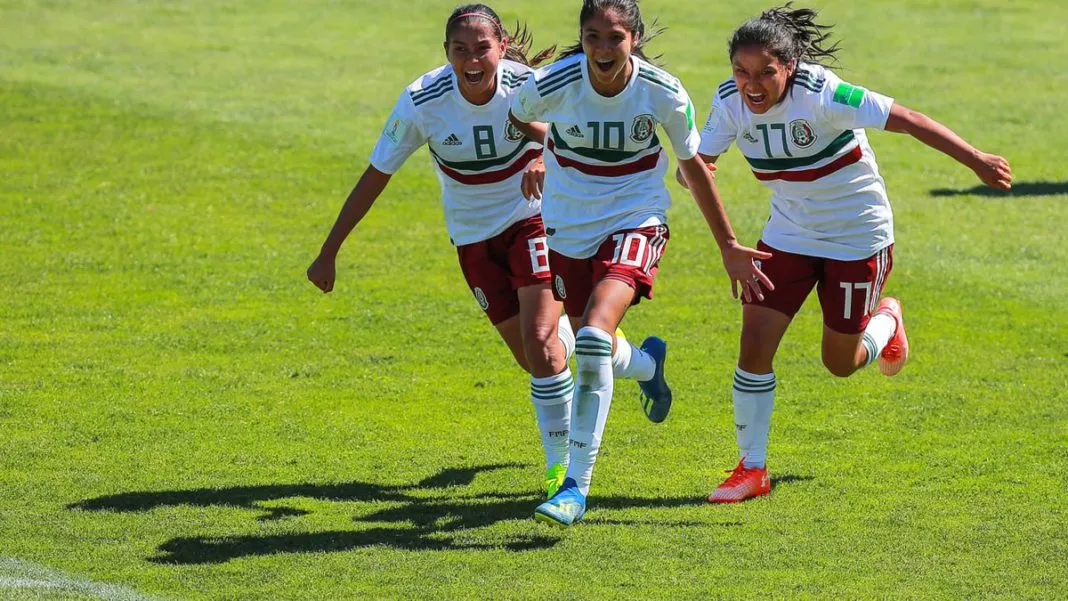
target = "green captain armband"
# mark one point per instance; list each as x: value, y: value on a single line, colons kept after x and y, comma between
x: 849, y: 95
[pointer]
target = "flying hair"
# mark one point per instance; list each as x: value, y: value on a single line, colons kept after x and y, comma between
x: 520, y: 40
x: 788, y: 33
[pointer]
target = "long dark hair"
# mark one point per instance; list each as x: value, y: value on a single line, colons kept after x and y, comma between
x: 788, y: 33
x: 631, y: 14
x: 519, y: 40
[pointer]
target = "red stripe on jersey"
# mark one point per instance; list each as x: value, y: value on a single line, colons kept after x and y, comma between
x: 491, y: 177
x: 643, y: 164
x: 811, y: 175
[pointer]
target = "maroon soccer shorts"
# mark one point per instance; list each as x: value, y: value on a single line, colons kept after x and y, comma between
x: 497, y: 268
x: 849, y: 291
x: 630, y: 256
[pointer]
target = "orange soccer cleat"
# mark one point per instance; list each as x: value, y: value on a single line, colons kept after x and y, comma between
x: 744, y: 483
x: 896, y: 352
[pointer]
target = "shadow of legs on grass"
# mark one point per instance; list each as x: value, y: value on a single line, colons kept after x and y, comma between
x: 432, y: 515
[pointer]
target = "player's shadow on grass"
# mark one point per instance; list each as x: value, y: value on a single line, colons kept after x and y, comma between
x: 435, y: 514
x: 1018, y: 189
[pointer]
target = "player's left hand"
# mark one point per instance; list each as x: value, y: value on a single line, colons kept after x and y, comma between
x: 741, y: 267
x: 993, y: 171
x: 534, y: 179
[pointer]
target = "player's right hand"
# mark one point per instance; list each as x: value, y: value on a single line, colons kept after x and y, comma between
x: 994, y: 171
x: 744, y: 271
x: 322, y: 273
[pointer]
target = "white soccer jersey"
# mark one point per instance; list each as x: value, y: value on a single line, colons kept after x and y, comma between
x: 479, y: 155
x: 828, y: 199
x: 605, y: 169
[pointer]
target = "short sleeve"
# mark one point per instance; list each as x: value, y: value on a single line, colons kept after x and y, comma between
x: 527, y: 105
x: 719, y: 131
x: 680, y: 126
x: 852, y: 107
x: 401, y: 137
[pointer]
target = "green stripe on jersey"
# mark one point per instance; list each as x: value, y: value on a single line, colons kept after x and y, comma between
x: 660, y: 80
x: 524, y: 144
x: 783, y: 164
x: 849, y: 95
x: 600, y: 154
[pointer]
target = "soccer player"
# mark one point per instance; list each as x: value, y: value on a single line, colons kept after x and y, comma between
x: 491, y: 178
x: 801, y: 129
x: 605, y: 206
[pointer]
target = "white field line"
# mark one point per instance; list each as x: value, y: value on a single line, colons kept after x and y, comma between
x: 17, y: 574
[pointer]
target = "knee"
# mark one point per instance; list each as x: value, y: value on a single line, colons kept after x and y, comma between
x: 541, y: 347
x: 839, y: 366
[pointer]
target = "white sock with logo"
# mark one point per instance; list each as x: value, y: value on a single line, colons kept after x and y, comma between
x: 551, y: 398
x: 593, y: 399
x: 754, y: 400
x: 631, y: 363
x: 877, y: 335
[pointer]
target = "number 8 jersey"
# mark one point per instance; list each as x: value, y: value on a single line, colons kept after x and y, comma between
x: 605, y: 169
x: 478, y: 154
x: 828, y: 199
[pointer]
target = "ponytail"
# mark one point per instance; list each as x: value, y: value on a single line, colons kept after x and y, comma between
x: 788, y: 34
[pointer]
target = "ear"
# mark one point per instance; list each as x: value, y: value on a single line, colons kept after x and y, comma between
x: 791, y: 67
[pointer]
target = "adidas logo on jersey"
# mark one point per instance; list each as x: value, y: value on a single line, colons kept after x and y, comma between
x: 452, y: 140
x: 574, y: 132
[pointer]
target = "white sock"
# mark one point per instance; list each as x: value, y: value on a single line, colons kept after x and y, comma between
x: 593, y: 399
x: 552, y: 406
x: 754, y: 399
x: 631, y: 363
x: 566, y: 336
x: 880, y: 330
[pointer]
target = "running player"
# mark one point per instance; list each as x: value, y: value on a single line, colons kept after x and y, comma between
x: 491, y: 177
x: 605, y: 211
x: 801, y: 129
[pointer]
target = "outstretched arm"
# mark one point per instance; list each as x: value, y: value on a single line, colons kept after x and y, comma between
x: 367, y: 190
x: 737, y: 259
x: 992, y: 170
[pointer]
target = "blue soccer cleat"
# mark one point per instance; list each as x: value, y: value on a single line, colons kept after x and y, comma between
x: 565, y: 508
x: 656, y: 395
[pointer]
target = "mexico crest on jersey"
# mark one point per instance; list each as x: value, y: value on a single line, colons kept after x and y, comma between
x: 480, y: 296
x: 512, y: 133
x: 642, y: 128
x: 802, y: 133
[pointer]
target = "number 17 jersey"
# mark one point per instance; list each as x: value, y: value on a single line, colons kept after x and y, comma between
x: 828, y: 198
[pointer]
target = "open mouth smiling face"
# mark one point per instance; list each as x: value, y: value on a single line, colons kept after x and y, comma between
x: 475, y: 52
x: 761, y: 77
x: 608, y: 44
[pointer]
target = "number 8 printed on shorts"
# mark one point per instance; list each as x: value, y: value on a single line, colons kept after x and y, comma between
x: 539, y: 255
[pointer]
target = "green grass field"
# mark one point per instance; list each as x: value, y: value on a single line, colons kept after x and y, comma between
x: 183, y: 416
